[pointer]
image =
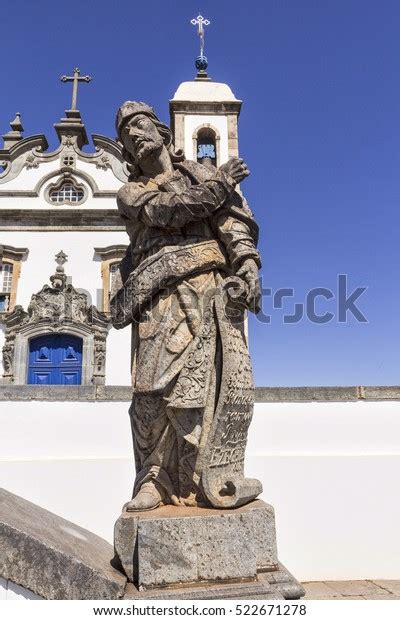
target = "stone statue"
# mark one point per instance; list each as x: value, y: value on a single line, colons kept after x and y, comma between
x: 190, y: 273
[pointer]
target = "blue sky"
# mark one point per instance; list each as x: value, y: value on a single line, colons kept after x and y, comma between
x: 320, y: 82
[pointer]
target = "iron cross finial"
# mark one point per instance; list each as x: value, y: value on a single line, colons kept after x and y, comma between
x: 200, y: 22
x: 77, y: 77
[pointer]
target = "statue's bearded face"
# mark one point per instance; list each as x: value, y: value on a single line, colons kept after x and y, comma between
x: 140, y: 137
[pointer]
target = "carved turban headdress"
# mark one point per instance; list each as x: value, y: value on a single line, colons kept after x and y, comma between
x: 131, y: 108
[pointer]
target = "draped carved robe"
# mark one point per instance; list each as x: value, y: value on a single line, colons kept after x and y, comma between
x: 191, y: 374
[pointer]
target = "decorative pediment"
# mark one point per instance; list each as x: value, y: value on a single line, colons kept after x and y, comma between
x: 59, y: 303
x: 27, y: 152
x: 20, y: 153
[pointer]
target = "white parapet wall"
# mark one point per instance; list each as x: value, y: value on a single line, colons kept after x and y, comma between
x: 329, y: 467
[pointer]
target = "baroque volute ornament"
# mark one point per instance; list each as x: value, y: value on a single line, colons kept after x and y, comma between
x: 189, y: 275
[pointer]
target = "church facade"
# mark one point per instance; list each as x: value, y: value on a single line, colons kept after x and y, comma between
x: 61, y: 238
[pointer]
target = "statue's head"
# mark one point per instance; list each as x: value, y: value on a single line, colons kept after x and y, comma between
x: 141, y: 132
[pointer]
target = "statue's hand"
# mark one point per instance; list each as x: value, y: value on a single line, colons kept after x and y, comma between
x: 236, y: 168
x: 249, y: 273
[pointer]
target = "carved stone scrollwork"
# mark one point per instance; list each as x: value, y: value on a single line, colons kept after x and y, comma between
x: 32, y: 151
x: 58, y: 308
x: 68, y: 141
x: 8, y: 356
x: 31, y: 161
x: 99, y: 358
x: 103, y: 163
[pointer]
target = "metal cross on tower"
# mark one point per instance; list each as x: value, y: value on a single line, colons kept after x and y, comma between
x: 200, y: 21
x: 77, y: 77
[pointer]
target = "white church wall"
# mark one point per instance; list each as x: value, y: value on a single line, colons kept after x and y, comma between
x: 28, y: 178
x: 83, y: 269
x: 35, y: 203
x: 118, y: 357
x: 105, y: 179
x: 328, y: 468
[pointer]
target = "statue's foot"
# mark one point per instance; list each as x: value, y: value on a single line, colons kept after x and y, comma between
x: 148, y: 498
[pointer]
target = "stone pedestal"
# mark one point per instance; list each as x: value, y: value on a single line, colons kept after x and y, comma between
x: 175, y: 552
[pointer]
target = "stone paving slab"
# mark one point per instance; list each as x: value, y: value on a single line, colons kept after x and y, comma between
x: 391, y: 585
x: 383, y: 597
x: 356, y: 588
x: 352, y: 598
x: 319, y: 589
x: 377, y: 589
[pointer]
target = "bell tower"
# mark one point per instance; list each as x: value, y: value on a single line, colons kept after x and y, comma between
x: 204, y: 114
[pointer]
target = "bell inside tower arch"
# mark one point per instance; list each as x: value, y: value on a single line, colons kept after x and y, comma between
x: 206, y: 147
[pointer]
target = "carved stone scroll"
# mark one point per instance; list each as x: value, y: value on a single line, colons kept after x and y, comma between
x: 223, y: 476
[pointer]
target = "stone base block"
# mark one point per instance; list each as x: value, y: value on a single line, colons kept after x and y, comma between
x: 270, y: 586
x: 168, y: 550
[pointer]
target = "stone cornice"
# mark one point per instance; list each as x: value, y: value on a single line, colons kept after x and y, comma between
x: 205, y: 107
x: 26, y: 144
x: 8, y: 251
x: 64, y: 219
x: 123, y: 393
x: 111, y: 251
